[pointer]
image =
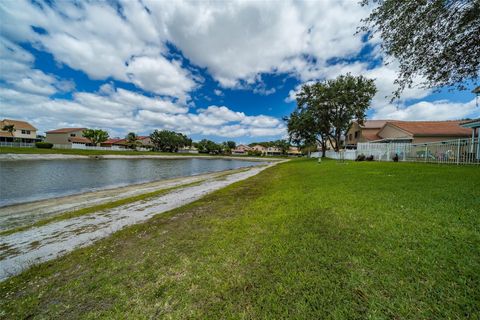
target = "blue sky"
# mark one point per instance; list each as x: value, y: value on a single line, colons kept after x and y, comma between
x: 221, y: 70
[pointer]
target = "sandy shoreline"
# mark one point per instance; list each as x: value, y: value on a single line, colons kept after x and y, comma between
x: 55, y: 156
x: 22, y: 249
x: 18, y: 215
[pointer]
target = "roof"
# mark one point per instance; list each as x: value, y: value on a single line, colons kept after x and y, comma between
x: 113, y: 141
x: 432, y: 128
x: 6, y: 134
x: 475, y: 123
x: 142, y: 137
x: 373, y: 124
x: 370, y: 136
x: 66, y: 130
x: 18, y: 124
x: 79, y: 140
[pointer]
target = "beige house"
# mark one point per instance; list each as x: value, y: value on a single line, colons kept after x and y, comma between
x: 241, y: 149
x: 366, y: 132
x: 405, y: 131
x: 145, y: 141
x: 273, y: 151
x: 259, y: 147
x: 423, y: 131
x: 294, y: 151
x: 67, y: 137
x: 21, y: 131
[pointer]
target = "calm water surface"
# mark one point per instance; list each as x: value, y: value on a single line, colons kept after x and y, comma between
x: 23, y: 181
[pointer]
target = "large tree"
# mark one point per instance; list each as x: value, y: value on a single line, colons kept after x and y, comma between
x: 169, y: 141
x: 326, y: 109
x: 438, y: 40
x: 96, y: 136
x: 208, y: 146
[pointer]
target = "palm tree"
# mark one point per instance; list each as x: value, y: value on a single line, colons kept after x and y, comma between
x: 132, y: 140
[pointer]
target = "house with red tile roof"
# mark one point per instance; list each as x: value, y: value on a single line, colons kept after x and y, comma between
x: 405, y: 131
x: 423, y: 131
x: 241, y: 149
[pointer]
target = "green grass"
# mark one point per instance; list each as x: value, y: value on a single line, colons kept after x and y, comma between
x: 300, y: 240
x: 88, y: 152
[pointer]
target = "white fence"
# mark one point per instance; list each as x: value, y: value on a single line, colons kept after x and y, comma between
x: 84, y: 147
x: 458, y: 151
x: 16, y: 144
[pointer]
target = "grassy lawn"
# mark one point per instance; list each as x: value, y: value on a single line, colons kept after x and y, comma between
x: 300, y: 240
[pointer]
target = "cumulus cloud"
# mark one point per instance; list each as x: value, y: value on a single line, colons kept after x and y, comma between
x: 128, y: 44
x: 120, y: 110
x: 17, y: 72
x: 425, y: 110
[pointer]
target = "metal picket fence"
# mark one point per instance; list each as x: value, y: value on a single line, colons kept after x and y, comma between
x: 458, y: 151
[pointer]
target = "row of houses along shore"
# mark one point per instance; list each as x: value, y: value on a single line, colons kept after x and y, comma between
x: 373, y: 131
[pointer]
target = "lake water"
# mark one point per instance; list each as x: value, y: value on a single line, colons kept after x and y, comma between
x: 24, y: 181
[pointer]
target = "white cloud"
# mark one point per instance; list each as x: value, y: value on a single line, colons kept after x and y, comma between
x: 436, y: 110
x: 235, y: 40
x: 119, y: 111
x: 16, y: 70
x: 160, y: 76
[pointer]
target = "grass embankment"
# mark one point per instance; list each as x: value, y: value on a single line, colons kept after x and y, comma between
x: 17, y: 150
x: 90, y: 152
x: 96, y: 208
x: 116, y: 203
x: 299, y: 240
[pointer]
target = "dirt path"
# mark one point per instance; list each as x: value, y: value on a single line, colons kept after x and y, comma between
x: 22, y: 249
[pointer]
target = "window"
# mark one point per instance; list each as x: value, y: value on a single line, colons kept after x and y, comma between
x: 357, y: 133
x: 25, y: 131
x: 73, y: 135
x: 350, y: 137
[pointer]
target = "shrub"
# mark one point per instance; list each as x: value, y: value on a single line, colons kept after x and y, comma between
x: 360, y: 157
x: 44, y: 145
x: 369, y: 158
x: 256, y: 153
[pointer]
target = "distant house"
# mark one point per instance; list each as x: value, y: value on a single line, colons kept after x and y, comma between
x: 145, y: 141
x: 68, y: 138
x: 241, y: 149
x: 114, y: 143
x: 21, y: 131
x: 273, y: 151
x: 259, y: 147
x: 422, y: 131
x: 121, y: 143
x: 294, y: 151
x: 190, y: 149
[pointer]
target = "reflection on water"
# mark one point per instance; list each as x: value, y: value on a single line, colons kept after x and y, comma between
x: 23, y: 181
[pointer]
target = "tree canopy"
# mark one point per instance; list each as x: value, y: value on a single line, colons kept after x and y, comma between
x: 326, y: 109
x: 169, y: 141
x: 132, y: 140
x: 208, y: 146
x: 438, y: 40
x: 96, y: 136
